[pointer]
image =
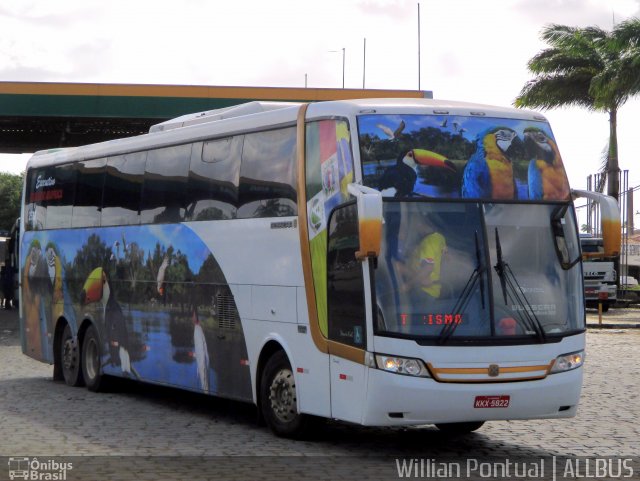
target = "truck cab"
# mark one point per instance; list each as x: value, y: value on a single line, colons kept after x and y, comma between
x: 599, y: 274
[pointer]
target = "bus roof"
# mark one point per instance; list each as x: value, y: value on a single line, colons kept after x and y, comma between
x: 258, y: 115
x: 420, y: 106
x: 241, y: 110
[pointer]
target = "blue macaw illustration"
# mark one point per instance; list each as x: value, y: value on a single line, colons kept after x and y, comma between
x: 60, y: 299
x: 546, y: 176
x: 489, y: 172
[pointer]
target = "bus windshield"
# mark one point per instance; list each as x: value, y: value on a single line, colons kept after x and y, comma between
x: 470, y: 270
x: 455, y: 156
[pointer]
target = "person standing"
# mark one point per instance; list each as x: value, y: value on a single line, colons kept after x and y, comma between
x: 7, y: 287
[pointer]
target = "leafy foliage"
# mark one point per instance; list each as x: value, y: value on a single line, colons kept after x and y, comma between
x: 587, y: 67
x: 10, y: 193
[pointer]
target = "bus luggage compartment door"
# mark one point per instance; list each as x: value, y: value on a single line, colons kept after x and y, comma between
x: 348, y: 388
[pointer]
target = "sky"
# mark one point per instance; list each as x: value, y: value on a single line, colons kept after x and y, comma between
x: 470, y: 51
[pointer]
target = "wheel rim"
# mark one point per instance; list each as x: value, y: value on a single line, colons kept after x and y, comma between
x: 282, y: 396
x: 69, y: 355
x: 91, y: 358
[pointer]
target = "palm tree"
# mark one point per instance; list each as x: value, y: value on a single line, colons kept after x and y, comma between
x: 587, y: 67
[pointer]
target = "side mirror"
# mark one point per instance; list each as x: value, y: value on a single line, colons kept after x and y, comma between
x: 369, y: 203
x: 610, y: 219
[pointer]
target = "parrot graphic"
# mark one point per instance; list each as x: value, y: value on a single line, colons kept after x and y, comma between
x: 97, y: 289
x: 489, y: 172
x: 399, y: 179
x: 160, y: 284
x: 33, y: 302
x: 60, y: 299
x: 200, y: 352
x: 546, y: 177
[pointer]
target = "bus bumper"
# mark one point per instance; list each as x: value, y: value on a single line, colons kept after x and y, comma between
x: 397, y: 400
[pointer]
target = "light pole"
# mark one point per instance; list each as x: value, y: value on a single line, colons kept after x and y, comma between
x: 364, y: 61
x: 343, y: 61
x: 343, y: 56
x: 418, y: 46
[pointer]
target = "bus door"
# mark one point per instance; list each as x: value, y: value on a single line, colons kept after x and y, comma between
x: 346, y: 315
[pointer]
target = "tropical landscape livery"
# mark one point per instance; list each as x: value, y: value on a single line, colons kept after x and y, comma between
x: 157, y: 295
x: 444, y: 156
x: 328, y: 157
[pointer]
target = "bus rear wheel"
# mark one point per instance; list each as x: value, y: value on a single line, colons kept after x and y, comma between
x: 70, y: 358
x: 459, y: 428
x: 278, y: 398
x: 91, y: 371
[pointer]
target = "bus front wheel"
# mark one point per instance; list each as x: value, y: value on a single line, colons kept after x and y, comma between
x: 70, y: 358
x: 459, y: 428
x: 91, y: 371
x: 278, y: 398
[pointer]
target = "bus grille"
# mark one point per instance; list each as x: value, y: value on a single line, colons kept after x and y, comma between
x: 227, y: 312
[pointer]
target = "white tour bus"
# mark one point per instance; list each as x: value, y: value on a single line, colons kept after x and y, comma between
x: 382, y: 262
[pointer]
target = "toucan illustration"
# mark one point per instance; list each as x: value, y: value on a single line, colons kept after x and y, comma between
x: 97, y: 289
x: 399, y: 180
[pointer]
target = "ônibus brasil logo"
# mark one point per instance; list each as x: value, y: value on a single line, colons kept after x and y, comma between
x: 34, y: 469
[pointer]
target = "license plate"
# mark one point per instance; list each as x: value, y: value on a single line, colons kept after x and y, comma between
x: 492, y: 401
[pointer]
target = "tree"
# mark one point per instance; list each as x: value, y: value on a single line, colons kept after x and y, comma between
x: 10, y: 192
x: 587, y: 67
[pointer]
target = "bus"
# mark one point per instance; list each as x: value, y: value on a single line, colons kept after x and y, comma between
x: 385, y: 262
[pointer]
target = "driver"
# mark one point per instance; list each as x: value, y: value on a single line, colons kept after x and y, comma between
x: 421, y: 272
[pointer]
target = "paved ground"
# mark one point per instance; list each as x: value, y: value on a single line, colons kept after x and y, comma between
x: 167, y: 434
x: 628, y: 318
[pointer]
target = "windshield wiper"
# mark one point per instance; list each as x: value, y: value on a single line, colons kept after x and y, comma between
x: 511, y: 287
x: 465, y: 296
x: 500, y: 267
x: 479, y: 267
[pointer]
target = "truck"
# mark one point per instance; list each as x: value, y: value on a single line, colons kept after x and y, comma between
x: 599, y: 274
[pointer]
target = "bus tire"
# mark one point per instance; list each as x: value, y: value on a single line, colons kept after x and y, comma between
x: 70, y: 359
x: 278, y: 398
x: 91, y: 356
x: 460, y: 428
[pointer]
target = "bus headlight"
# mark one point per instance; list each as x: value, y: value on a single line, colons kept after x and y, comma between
x: 402, y: 365
x: 567, y: 362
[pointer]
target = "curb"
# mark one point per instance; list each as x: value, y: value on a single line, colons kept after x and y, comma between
x: 613, y: 326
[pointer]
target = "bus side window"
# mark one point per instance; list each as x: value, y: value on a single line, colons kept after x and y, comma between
x: 345, y: 284
x: 45, y: 190
x: 123, y: 189
x: 35, y: 211
x: 60, y: 197
x: 88, y: 202
x: 164, y: 190
x: 268, y: 174
x: 213, y: 179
